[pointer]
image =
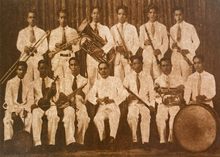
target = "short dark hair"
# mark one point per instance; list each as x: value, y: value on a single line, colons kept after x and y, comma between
x: 132, y: 58
x: 106, y: 63
x: 178, y: 8
x: 124, y: 8
x: 199, y: 56
x: 32, y: 11
x: 152, y: 7
x: 95, y: 7
x: 63, y: 11
x: 75, y: 59
x: 165, y: 59
x: 42, y: 62
x: 22, y: 63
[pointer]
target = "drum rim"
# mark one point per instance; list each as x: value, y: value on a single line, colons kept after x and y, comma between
x: 211, y: 111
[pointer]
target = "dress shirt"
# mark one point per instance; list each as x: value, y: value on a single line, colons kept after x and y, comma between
x: 208, y: 87
x: 159, y: 40
x: 24, y: 40
x: 130, y: 36
x: 146, y: 92
x: 175, y: 80
x: 11, y: 94
x: 189, y: 38
x: 105, y: 34
x: 111, y: 87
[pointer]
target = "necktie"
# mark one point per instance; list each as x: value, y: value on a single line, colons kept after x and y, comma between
x: 63, y: 36
x: 19, y: 99
x: 43, y: 86
x: 153, y: 29
x: 32, y: 36
x: 138, y: 83
x: 178, y: 33
x: 96, y: 29
x: 168, y: 82
x: 199, y: 84
x: 74, y: 86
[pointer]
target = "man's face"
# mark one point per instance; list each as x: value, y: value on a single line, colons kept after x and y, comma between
x: 31, y: 19
x: 166, y: 67
x: 74, y: 67
x: 95, y: 15
x: 103, y: 70
x: 137, y: 65
x: 62, y: 19
x: 21, y: 71
x: 122, y: 16
x: 198, y: 65
x: 43, y: 69
x: 152, y: 14
x: 178, y: 16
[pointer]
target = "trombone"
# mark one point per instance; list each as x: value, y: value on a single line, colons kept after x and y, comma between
x: 23, y: 55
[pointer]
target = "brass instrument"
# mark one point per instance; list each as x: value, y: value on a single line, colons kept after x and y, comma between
x: 24, y: 57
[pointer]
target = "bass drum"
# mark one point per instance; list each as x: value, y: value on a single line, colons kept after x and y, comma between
x: 196, y: 127
x: 22, y: 142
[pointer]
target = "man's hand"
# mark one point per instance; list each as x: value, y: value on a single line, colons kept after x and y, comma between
x: 33, y: 107
x: 184, y: 51
x: 13, y: 116
x: 157, y: 52
x: 131, y: 97
x: 200, y: 98
x: 146, y: 42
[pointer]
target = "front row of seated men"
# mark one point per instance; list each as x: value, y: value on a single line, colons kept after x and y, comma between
x: 69, y: 95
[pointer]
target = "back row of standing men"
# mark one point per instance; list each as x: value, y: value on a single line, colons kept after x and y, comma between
x: 103, y: 89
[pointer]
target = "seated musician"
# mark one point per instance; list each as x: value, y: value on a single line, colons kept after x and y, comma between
x: 44, y: 105
x: 75, y: 88
x: 27, y: 38
x: 19, y: 98
x: 142, y: 86
x: 167, y: 81
x: 108, y: 92
x: 58, y: 38
x: 200, y: 86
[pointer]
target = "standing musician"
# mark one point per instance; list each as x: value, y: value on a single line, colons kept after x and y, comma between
x: 200, y: 86
x: 108, y: 92
x: 167, y: 80
x: 154, y: 41
x: 105, y: 34
x: 126, y: 41
x: 76, y: 109
x: 142, y: 85
x: 19, y: 98
x: 58, y: 38
x: 27, y: 37
x: 183, y: 41
x: 44, y: 107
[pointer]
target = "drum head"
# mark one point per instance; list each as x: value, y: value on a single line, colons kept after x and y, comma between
x: 195, y: 127
x: 22, y: 141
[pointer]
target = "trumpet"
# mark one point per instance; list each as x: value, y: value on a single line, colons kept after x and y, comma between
x: 24, y: 57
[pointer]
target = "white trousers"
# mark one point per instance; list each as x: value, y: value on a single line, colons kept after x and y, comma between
x: 133, y: 114
x: 122, y: 67
x: 53, y: 120
x: 180, y: 66
x: 111, y: 112
x: 161, y: 118
x: 8, y: 124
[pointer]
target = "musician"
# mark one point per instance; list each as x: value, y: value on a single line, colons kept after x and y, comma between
x: 158, y: 36
x: 123, y: 31
x: 142, y: 86
x: 200, y: 86
x: 58, y: 38
x: 40, y: 86
x: 19, y: 98
x: 105, y: 34
x: 186, y: 42
x: 167, y: 80
x: 108, y: 92
x: 72, y: 82
x: 27, y: 38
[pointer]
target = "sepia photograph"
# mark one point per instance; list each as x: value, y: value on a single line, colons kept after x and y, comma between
x: 109, y: 78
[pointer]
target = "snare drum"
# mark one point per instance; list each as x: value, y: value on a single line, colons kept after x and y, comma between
x: 196, y: 127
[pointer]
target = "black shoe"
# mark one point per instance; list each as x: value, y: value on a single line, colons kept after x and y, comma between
x: 135, y: 145
x: 37, y: 149
x: 51, y: 148
x: 171, y: 146
x: 112, y: 144
x: 8, y: 147
x: 80, y: 146
x: 162, y: 146
x: 146, y: 146
x: 71, y: 147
